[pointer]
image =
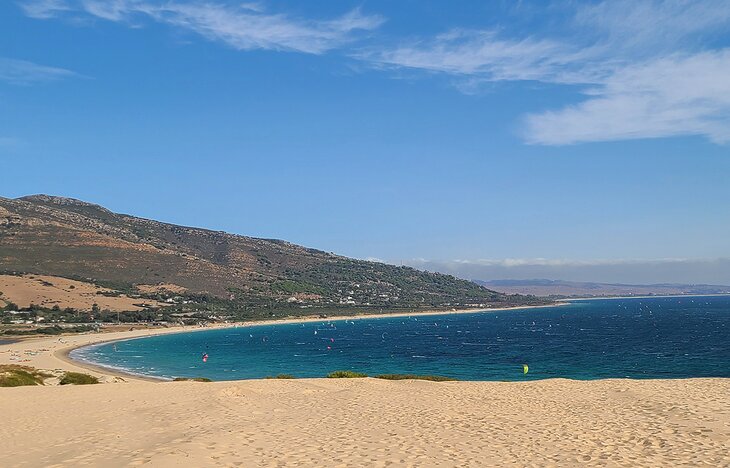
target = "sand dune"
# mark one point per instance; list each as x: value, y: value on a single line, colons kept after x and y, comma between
x: 368, y: 422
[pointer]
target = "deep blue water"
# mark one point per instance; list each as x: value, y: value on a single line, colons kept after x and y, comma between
x: 636, y: 338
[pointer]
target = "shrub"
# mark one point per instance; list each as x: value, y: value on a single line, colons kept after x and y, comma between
x: 191, y: 379
x: 53, y: 330
x: 433, y: 378
x: 12, y: 375
x: 280, y: 376
x: 345, y: 374
x: 77, y: 378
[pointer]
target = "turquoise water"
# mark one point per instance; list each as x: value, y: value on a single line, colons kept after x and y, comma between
x: 593, y: 339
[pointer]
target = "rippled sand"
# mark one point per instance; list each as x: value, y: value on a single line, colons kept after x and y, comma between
x: 368, y: 422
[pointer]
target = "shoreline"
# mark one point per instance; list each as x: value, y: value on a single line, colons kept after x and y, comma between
x: 116, y: 373
x: 58, y: 357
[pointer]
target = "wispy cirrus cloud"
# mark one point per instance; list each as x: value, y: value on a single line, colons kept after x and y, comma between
x: 22, y: 72
x: 246, y: 26
x: 487, y: 56
x: 651, y: 27
x: 43, y: 9
x: 646, y: 69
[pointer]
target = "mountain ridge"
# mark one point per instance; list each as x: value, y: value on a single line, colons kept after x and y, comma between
x: 71, y: 238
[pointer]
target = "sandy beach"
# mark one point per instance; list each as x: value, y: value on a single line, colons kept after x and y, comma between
x: 353, y: 422
x: 369, y: 422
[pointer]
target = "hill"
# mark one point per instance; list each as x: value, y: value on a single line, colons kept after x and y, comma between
x: 212, y: 270
x: 558, y: 288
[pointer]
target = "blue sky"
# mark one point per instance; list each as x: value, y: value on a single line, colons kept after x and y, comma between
x: 488, y: 139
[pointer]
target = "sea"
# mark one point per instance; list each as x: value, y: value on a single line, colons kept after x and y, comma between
x: 638, y: 338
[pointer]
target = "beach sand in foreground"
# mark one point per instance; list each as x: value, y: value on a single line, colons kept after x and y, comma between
x: 369, y: 422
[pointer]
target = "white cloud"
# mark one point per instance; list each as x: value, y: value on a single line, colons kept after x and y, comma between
x: 521, y: 262
x: 647, y: 69
x: 660, y: 25
x: 21, y: 72
x: 112, y: 10
x: 637, y: 271
x: 670, y: 96
x: 375, y: 259
x: 244, y: 27
x: 43, y: 9
x: 477, y: 53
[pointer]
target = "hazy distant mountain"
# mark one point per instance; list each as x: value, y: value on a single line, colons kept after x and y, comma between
x: 70, y: 238
x: 545, y: 287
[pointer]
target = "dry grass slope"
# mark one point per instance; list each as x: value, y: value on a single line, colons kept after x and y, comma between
x: 49, y: 291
